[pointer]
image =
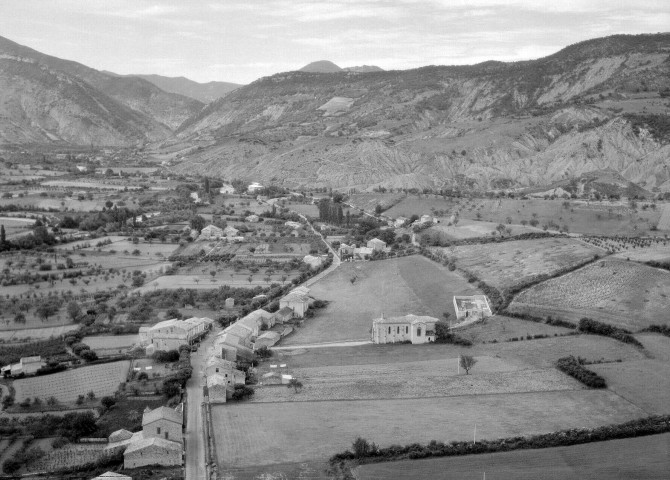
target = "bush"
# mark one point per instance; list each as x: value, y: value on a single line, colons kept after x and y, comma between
x: 241, y: 392
x: 164, y: 356
x: 662, y: 329
x: 443, y: 335
x: 589, y: 325
x: 571, y: 366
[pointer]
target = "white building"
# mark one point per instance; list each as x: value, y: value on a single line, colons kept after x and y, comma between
x: 252, y: 219
x: 376, y: 244
x: 255, y: 187
x: 410, y: 328
x: 293, y: 225
x: 297, y: 300
x: 230, y: 231
x: 211, y: 232
x: 400, y: 222
x: 171, y: 334
x: 26, y: 366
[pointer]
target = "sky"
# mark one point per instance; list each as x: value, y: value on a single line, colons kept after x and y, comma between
x: 242, y: 40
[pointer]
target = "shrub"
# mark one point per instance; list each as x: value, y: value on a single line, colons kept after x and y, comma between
x: 571, y: 366
x: 589, y: 325
x: 662, y: 329
x: 443, y: 335
x: 241, y: 392
x: 164, y: 356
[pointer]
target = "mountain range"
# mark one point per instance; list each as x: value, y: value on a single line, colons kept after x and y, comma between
x: 204, y: 92
x: 599, y: 105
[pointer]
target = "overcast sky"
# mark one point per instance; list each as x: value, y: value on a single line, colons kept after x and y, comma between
x: 242, y: 40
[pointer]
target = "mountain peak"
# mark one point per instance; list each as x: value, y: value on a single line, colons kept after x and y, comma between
x: 321, y: 66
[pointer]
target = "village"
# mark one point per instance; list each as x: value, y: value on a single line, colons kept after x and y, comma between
x: 149, y: 321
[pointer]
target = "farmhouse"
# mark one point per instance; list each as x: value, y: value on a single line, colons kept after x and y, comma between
x: 211, y: 232
x: 313, y: 261
x: 252, y: 219
x: 171, y: 334
x: 26, y: 366
x: 255, y: 187
x: 230, y: 231
x: 268, y: 339
x: 297, y: 300
x: 400, y: 222
x: 230, y: 347
x: 159, y: 443
x: 376, y: 244
x: 293, y: 225
x: 283, y: 315
x: 217, y: 388
x: 410, y: 328
x: 152, y: 451
x: 426, y: 219
x: 226, y: 189
x: 363, y: 253
x: 472, y: 306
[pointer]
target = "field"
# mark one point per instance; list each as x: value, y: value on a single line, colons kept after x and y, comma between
x: 506, y: 264
x: 471, y: 229
x: 110, y: 341
x: 503, y: 329
x: 422, y: 379
x: 598, y: 218
x: 204, y: 281
x: 102, y: 379
x: 26, y: 334
x: 393, y: 287
x: 15, y: 225
x: 69, y: 456
x: 622, y: 293
x: 646, y: 383
x: 658, y: 253
x: 632, y: 458
x: 248, y: 434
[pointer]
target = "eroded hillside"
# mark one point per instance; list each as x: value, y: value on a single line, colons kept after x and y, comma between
x: 489, y: 125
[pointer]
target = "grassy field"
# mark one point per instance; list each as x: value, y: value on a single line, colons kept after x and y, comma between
x: 110, y: 341
x: 600, y: 218
x: 646, y: 383
x: 506, y: 264
x: 394, y: 287
x: 436, y: 378
x: 247, y: 435
x: 466, y: 228
x: 34, y: 333
x: 502, y: 329
x: 622, y: 293
x: 102, y: 379
x: 632, y: 458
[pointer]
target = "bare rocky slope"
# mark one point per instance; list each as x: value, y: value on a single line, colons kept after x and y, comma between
x: 492, y: 125
x: 47, y: 99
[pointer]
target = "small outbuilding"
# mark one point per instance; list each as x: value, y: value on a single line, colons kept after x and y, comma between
x: 268, y: 339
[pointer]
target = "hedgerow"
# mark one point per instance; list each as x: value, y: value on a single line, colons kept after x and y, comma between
x: 588, y: 325
x: 372, y: 454
x: 662, y: 329
x: 571, y: 366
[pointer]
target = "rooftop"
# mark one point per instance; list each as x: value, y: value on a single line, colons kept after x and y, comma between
x: 407, y: 319
x: 153, y: 441
x: 161, y: 413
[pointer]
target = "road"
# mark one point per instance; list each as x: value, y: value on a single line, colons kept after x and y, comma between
x: 325, y: 345
x: 195, y: 440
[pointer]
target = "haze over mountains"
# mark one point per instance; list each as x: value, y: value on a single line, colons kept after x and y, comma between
x: 593, y: 106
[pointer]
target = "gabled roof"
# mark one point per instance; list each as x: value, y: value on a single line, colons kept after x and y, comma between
x: 376, y: 240
x: 169, y: 323
x: 112, y: 475
x: 240, y: 330
x: 33, y: 359
x: 270, y: 336
x: 285, y: 311
x: 407, y: 319
x: 151, y: 442
x: 255, y: 318
x: 120, y: 435
x: 162, y: 413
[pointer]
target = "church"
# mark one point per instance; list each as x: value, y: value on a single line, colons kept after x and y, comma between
x: 410, y: 328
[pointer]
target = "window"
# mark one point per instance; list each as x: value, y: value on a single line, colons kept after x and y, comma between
x: 406, y: 329
x: 166, y: 435
x: 389, y: 330
x: 418, y: 332
x: 398, y: 332
x: 158, y: 430
x: 217, y: 369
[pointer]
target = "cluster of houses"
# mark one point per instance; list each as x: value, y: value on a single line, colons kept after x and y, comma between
x: 231, y: 234
x: 160, y: 442
x: 171, y: 334
x: 238, y: 342
x: 352, y: 252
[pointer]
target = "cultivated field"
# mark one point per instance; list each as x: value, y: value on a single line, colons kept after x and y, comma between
x: 506, y: 264
x: 248, y: 434
x: 466, y: 228
x: 501, y: 329
x: 658, y: 253
x: 69, y: 456
x: 622, y: 293
x: 102, y: 342
x: 646, y: 383
x: 26, y: 334
x: 424, y: 379
x: 632, y: 458
x: 102, y: 379
x: 399, y: 286
x: 207, y: 282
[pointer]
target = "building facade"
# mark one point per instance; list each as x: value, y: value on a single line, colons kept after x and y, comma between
x: 410, y: 328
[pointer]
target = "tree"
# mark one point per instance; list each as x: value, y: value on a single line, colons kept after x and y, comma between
x: 91, y: 395
x: 3, y: 236
x: 73, y: 310
x: 20, y: 318
x: 46, y: 309
x: 467, y: 362
x: 51, y: 401
x: 198, y: 223
x: 362, y: 448
x: 108, y: 402
x: 264, y: 352
x: 295, y: 384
